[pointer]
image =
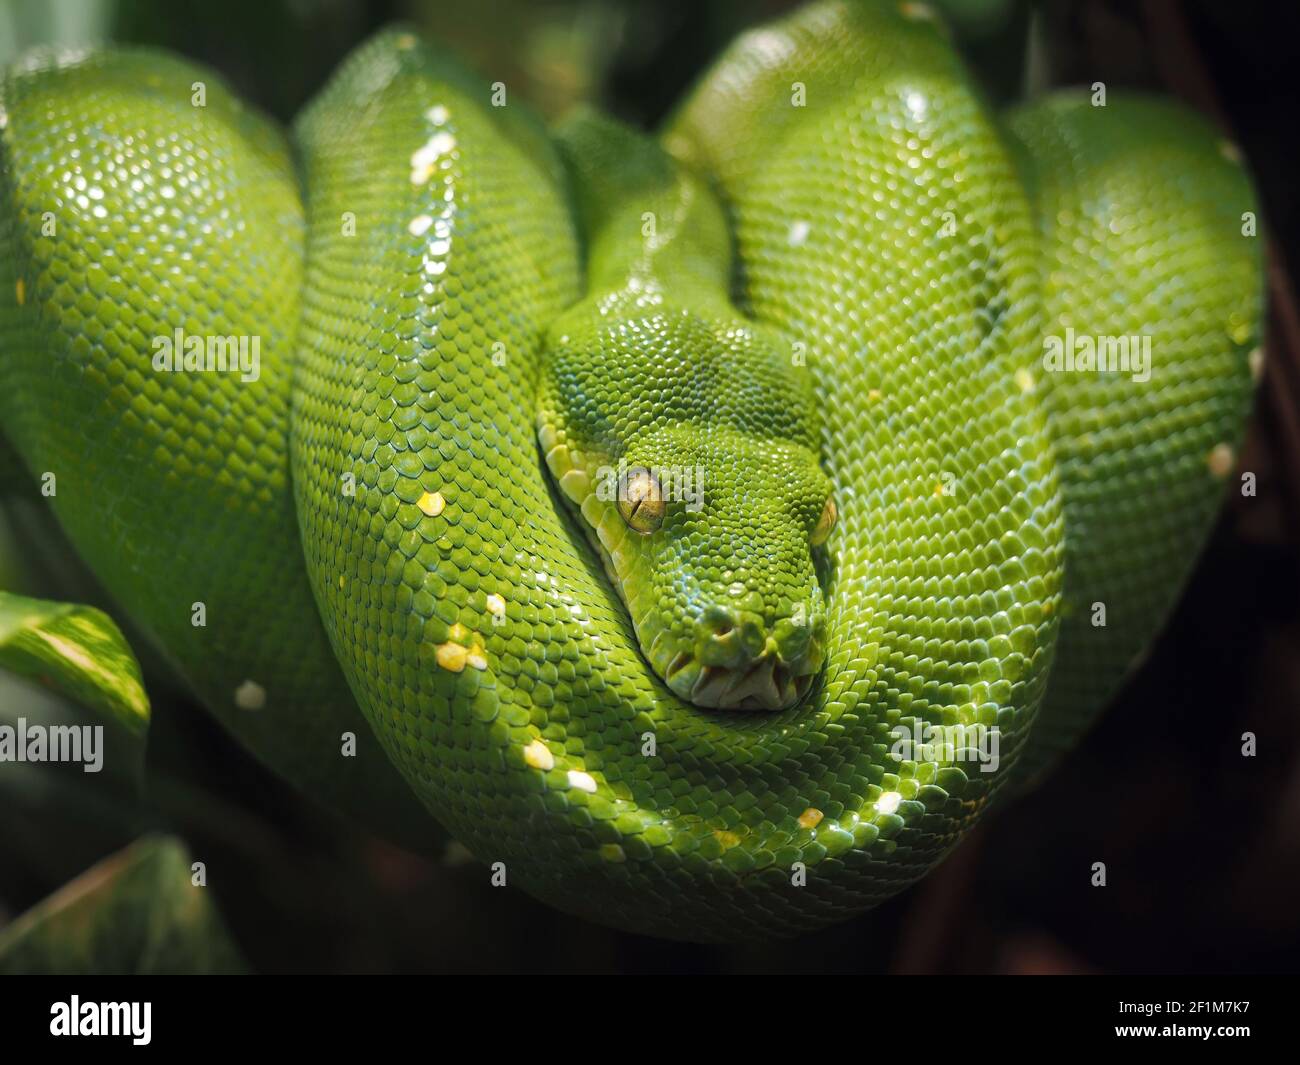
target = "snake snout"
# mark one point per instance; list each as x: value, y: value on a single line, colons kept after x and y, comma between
x: 737, y: 662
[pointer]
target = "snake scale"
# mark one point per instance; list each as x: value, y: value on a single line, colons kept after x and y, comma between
x: 624, y: 496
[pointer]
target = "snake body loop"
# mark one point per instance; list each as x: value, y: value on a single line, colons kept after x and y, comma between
x: 693, y: 726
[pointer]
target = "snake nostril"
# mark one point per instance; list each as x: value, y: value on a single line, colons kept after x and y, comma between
x: 717, y: 621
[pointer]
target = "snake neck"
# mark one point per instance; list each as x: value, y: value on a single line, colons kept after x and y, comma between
x: 652, y: 228
x: 683, y: 435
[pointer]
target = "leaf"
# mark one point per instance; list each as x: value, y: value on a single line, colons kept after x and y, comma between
x: 78, y: 651
x: 135, y: 912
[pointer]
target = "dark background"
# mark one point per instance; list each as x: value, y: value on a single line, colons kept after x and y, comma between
x: 1202, y: 845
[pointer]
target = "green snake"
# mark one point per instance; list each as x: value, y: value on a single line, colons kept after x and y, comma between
x: 628, y: 497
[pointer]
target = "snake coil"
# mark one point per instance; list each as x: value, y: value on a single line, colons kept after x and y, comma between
x: 381, y: 548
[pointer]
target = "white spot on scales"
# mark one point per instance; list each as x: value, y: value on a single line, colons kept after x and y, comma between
x: 426, y: 157
x: 250, y: 696
x: 582, y: 781
x: 888, y: 802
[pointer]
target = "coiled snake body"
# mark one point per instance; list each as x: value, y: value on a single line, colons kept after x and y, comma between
x: 819, y: 311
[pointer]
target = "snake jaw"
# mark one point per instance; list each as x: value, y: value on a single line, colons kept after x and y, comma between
x: 767, y: 684
x: 733, y: 665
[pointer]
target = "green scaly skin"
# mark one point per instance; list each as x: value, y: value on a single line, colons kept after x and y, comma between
x: 1142, y: 233
x: 881, y: 230
x: 131, y: 213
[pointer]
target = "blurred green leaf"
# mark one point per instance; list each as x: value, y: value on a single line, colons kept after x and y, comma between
x: 135, y: 912
x: 76, y: 650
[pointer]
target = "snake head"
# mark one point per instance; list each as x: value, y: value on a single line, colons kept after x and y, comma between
x: 686, y: 446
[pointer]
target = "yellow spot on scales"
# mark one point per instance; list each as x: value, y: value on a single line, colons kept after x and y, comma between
x: 612, y: 852
x: 727, y: 839
x: 452, y: 656
x: 463, y: 648
x: 811, y: 818
x: 1221, y: 460
x: 1024, y: 380
x: 431, y: 503
x: 538, y: 755
x: 496, y: 606
x: 20, y: 290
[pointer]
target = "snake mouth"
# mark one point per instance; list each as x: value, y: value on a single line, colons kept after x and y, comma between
x: 734, y: 667
x: 767, y: 684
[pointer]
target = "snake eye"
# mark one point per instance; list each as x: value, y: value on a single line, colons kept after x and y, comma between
x: 642, y: 502
x: 825, y: 523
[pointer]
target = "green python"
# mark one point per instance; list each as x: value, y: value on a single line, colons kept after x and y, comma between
x: 628, y: 499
